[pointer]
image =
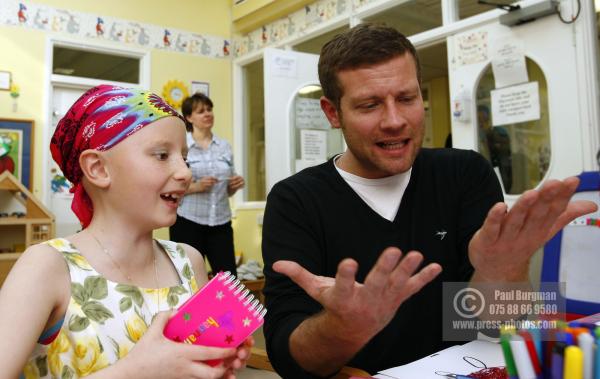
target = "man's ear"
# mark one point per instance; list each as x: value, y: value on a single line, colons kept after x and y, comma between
x: 331, y: 112
x: 93, y: 165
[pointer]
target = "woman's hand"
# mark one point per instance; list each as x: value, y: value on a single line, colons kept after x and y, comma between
x: 235, y: 183
x: 205, y: 184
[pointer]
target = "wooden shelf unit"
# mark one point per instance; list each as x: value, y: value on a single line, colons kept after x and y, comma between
x: 36, y: 226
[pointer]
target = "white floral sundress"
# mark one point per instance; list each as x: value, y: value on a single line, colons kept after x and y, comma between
x: 104, y: 319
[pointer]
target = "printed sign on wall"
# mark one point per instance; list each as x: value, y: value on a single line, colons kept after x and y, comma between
x: 515, y: 104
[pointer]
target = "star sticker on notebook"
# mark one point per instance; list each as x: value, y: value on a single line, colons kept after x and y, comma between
x: 246, y: 322
x: 229, y: 339
x: 187, y: 317
x: 220, y: 295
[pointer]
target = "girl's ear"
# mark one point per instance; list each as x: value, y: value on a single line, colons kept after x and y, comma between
x: 93, y: 165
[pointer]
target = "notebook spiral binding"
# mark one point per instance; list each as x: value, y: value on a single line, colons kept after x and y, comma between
x: 249, y: 300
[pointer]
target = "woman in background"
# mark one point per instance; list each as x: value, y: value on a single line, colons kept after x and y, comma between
x: 204, y: 215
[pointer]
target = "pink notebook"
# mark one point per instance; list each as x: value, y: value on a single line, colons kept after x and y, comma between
x: 223, y: 313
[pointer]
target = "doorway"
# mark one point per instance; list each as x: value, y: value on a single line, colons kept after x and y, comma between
x: 74, y: 69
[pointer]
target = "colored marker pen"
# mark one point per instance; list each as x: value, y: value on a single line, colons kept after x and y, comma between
x: 597, y: 358
x: 566, y: 337
x: 547, y: 346
x: 509, y: 361
x: 536, y: 336
x: 521, y: 356
x: 558, y: 354
x: 533, y: 356
x: 573, y: 366
x: 586, y: 343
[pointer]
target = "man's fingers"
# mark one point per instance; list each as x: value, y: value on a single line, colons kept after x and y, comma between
x: 490, y: 230
x: 302, y: 277
x: 554, y: 197
x: 421, y: 278
x: 515, y: 219
x: 345, y: 278
x: 378, y: 277
x: 404, y: 270
x: 574, y: 209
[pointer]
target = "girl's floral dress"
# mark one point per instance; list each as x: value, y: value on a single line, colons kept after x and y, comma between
x: 104, y: 319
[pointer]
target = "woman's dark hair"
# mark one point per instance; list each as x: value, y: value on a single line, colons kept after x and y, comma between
x: 190, y: 103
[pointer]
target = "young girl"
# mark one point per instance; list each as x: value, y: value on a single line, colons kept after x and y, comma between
x: 92, y: 303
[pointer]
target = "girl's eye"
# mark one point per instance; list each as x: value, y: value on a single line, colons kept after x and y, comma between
x: 186, y: 162
x: 162, y: 156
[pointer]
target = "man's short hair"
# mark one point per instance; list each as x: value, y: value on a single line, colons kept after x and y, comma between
x: 364, y: 44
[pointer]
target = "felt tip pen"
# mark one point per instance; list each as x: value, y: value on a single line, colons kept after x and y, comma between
x: 566, y: 337
x: 597, y: 357
x: 509, y: 361
x: 586, y: 343
x: 558, y: 356
x: 536, y: 336
x: 525, y: 368
x: 573, y: 366
x: 548, y: 341
x: 533, y: 355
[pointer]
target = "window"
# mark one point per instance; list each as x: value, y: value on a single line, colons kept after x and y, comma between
x: 254, y: 132
x: 411, y: 17
x: 519, y: 151
x: 313, y: 139
x: 95, y: 65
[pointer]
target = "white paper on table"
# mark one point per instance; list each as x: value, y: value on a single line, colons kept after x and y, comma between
x: 449, y: 360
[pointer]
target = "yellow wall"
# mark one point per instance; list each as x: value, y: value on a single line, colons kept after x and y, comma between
x: 440, y: 110
x: 252, y: 14
x: 247, y: 233
x: 24, y: 54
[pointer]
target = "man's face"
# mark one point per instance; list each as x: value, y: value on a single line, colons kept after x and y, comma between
x: 381, y: 116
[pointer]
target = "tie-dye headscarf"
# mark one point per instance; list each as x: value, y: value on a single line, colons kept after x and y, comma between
x: 101, y: 118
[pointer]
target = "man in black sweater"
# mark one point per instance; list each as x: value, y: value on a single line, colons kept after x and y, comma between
x: 338, y: 289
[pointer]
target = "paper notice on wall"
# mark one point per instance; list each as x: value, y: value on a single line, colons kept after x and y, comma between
x: 308, y: 114
x: 284, y: 65
x: 515, y: 104
x: 313, y: 144
x: 508, y: 62
x: 470, y: 48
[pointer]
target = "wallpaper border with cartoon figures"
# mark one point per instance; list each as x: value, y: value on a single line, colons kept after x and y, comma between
x: 79, y: 24
x: 295, y: 24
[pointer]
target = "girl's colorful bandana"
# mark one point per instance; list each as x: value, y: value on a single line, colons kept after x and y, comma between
x: 102, y: 117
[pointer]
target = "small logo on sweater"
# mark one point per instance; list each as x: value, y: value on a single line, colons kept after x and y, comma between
x: 441, y: 233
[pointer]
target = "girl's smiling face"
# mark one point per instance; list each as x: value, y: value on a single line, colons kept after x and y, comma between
x: 149, y: 174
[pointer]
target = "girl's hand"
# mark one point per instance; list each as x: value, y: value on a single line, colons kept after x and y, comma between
x: 238, y: 361
x: 158, y: 357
